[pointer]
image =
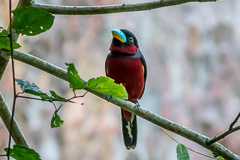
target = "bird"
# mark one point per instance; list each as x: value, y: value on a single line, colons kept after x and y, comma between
x: 126, y: 65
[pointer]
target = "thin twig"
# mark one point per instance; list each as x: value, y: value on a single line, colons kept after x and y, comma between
x: 52, y: 100
x: 54, y: 105
x: 186, y: 146
x: 5, y: 112
x: 3, y: 155
x: 75, y: 96
x: 13, y: 80
x: 215, y: 139
x: 92, y: 10
x: 74, y: 92
x: 229, y: 131
x: 59, y: 108
x: 234, y: 122
x: 33, y: 98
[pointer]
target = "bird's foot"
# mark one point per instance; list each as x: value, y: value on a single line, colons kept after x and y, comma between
x: 138, y: 105
x: 109, y: 97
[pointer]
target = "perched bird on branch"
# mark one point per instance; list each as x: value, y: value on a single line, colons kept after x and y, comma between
x: 126, y: 65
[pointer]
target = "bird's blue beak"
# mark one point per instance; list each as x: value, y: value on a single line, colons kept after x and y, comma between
x: 118, y: 34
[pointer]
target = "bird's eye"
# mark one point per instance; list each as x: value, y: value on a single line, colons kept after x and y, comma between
x: 131, y: 39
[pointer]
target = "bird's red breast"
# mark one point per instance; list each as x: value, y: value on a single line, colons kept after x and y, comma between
x: 129, y: 72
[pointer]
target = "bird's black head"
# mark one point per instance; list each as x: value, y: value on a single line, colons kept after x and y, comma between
x: 126, y: 35
x: 123, y: 41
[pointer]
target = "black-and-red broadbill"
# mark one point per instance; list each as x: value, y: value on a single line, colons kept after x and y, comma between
x: 126, y: 65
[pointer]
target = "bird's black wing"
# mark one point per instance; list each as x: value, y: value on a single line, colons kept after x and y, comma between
x: 145, y: 70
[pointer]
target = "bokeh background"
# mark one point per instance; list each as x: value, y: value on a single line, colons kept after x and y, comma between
x: 192, y: 53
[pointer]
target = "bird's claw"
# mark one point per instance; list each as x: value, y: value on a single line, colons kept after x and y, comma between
x: 138, y: 105
x: 109, y: 97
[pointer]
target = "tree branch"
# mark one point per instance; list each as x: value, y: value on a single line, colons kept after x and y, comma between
x: 91, y: 10
x: 40, y: 64
x: 216, y: 148
x: 229, y: 131
x: 6, y: 115
x: 215, y: 139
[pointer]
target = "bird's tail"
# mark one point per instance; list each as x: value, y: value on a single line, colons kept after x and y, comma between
x: 129, y: 128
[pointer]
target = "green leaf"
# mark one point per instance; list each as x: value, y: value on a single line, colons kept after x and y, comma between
x: 32, y: 21
x: 106, y: 85
x: 20, y: 152
x: 56, y: 120
x: 220, y: 158
x: 55, y: 96
x: 182, y: 152
x: 5, y: 41
x: 74, y: 79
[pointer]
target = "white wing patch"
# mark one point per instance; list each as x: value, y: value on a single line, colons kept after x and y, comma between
x: 128, y: 126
